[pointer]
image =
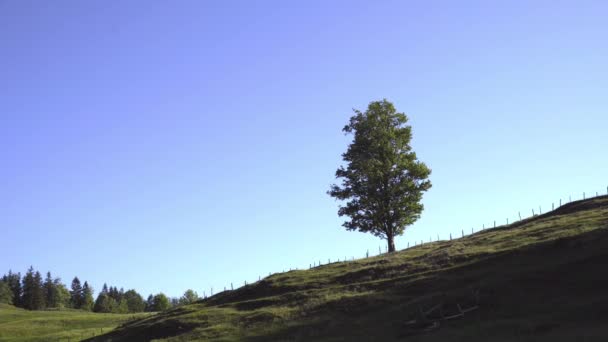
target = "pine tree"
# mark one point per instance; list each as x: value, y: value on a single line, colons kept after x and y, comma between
x: 38, y: 299
x: 87, y: 297
x: 27, y: 298
x: 150, y: 303
x: 50, y: 291
x: 76, y: 294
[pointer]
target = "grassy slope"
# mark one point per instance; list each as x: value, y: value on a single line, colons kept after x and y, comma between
x: 542, y: 279
x: 23, y: 325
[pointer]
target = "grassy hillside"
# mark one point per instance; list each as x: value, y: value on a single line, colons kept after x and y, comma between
x: 23, y: 325
x: 541, y: 279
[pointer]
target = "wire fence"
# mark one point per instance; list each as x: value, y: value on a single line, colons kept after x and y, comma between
x: 461, y: 234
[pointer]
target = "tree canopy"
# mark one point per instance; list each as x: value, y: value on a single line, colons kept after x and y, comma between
x: 383, y: 181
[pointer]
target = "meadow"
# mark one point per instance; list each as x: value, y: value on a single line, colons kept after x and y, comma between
x: 19, y: 325
x: 540, y: 279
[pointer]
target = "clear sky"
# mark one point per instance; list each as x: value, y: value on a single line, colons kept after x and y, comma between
x: 164, y: 145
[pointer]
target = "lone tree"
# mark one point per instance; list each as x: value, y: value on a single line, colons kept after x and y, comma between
x: 383, y: 180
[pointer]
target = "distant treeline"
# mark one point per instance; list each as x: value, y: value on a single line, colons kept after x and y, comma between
x: 31, y: 292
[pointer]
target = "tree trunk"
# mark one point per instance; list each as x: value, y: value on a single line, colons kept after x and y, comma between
x: 391, y: 243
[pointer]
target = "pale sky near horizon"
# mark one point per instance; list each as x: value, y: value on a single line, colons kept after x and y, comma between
x: 163, y: 146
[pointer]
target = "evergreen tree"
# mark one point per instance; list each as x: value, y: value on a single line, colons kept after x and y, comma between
x: 27, y: 298
x: 150, y: 303
x: 50, y: 292
x: 104, y: 289
x: 38, y: 298
x: 87, y: 297
x: 383, y: 181
x: 76, y: 294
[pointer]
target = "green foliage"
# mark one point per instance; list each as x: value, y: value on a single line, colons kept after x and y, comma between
x: 189, y: 297
x: 76, y: 294
x: 33, y: 292
x: 13, y: 280
x: 87, y: 297
x: 159, y: 302
x: 383, y: 181
x: 50, y: 292
x: 105, y: 303
x: 63, y: 294
x: 135, y: 302
x: 6, y: 295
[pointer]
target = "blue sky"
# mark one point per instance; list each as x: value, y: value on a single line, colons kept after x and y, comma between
x: 163, y: 146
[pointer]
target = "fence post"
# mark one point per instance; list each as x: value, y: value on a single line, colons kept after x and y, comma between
x: 560, y: 202
x: 519, y: 213
x: 494, y: 223
x: 540, y: 211
x: 379, y: 250
x: 408, y: 244
x: 231, y: 287
x: 367, y: 254
x: 471, y: 230
x: 450, y: 236
x: 532, y: 211
x: 463, y: 233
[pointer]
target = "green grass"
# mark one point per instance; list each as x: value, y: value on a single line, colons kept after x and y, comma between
x: 541, y: 279
x: 54, y: 325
